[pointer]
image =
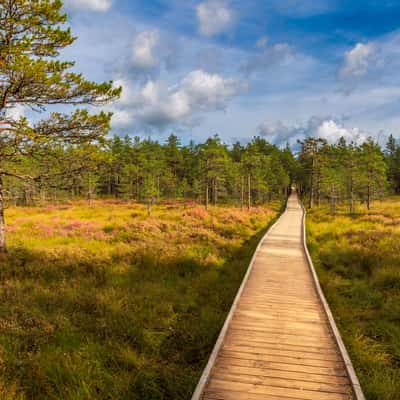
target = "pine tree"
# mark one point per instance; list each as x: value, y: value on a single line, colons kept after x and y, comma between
x: 310, y: 158
x: 213, y: 157
x: 373, y: 171
x: 31, y: 75
x: 393, y: 164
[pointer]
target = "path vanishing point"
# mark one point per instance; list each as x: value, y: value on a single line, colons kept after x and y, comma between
x: 279, y: 341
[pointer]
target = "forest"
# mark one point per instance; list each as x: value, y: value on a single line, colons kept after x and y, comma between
x: 209, y: 173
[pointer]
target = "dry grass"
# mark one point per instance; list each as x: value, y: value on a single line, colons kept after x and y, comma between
x: 104, y: 302
x: 358, y: 261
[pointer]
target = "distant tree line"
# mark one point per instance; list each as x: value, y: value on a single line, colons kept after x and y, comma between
x: 148, y: 171
x: 347, y: 172
x: 209, y: 173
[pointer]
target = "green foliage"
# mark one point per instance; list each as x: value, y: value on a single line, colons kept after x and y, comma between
x: 393, y: 164
x: 357, y: 260
x: 342, y: 172
x: 148, y: 171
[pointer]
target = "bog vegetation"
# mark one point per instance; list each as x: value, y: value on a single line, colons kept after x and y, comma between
x: 358, y: 263
x: 125, y: 253
x: 105, y: 302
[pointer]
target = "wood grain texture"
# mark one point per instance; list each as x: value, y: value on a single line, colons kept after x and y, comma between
x: 279, y: 343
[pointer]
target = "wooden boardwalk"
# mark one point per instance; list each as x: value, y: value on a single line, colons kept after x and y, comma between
x: 279, y: 341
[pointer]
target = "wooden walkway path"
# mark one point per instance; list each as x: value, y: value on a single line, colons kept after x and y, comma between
x: 279, y: 341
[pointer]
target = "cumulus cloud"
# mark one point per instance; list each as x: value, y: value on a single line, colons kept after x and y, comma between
x: 322, y: 127
x: 214, y: 17
x: 277, y: 132
x: 143, y: 49
x: 151, y: 52
x: 357, y: 61
x: 94, y: 5
x: 332, y: 131
x: 156, y: 105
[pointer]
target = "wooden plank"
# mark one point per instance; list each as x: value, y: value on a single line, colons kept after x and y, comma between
x: 228, y: 395
x: 280, y: 344
x: 264, y: 380
x: 270, y: 313
x: 282, y: 366
x: 280, y: 350
x: 301, y: 394
x: 252, y: 354
x: 280, y: 327
x: 274, y: 373
x: 270, y: 319
x: 262, y: 316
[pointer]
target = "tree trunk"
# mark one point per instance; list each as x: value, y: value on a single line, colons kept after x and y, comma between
x: 242, y: 194
x: 158, y: 189
x: 248, y: 192
x: 109, y: 188
x: 42, y: 197
x: 351, y: 199
x: 369, y: 197
x: 42, y: 193
x: 137, y: 188
x: 3, y: 247
x: 333, y: 200
x: 149, y: 206
x: 215, y: 195
x: 206, y: 205
x: 90, y: 194
x: 131, y: 189
x: 311, y: 200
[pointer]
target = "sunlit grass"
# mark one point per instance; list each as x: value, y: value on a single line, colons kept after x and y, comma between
x: 358, y: 261
x: 105, y: 302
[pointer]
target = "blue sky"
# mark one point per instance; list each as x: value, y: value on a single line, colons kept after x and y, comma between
x: 283, y: 69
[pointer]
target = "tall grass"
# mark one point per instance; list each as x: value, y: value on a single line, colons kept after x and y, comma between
x: 104, y: 302
x: 358, y: 261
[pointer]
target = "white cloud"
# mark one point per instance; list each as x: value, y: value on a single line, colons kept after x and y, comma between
x: 214, y: 17
x: 121, y: 118
x: 126, y: 94
x: 209, y: 89
x: 152, y: 51
x: 155, y: 105
x: 332, y: 131
x: 144, y: 48
x: 357, y: 61
x: 322, y: 127
x: 94, y: 5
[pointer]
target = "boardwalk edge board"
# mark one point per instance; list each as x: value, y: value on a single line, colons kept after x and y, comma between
x: 355, y: 384
x: 198, y: 393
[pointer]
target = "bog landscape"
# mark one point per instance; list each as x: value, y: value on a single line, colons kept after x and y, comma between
x: 136, y: 263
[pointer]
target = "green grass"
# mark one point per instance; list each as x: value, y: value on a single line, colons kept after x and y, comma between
x: 358, y: 262
x: 104, y: 302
